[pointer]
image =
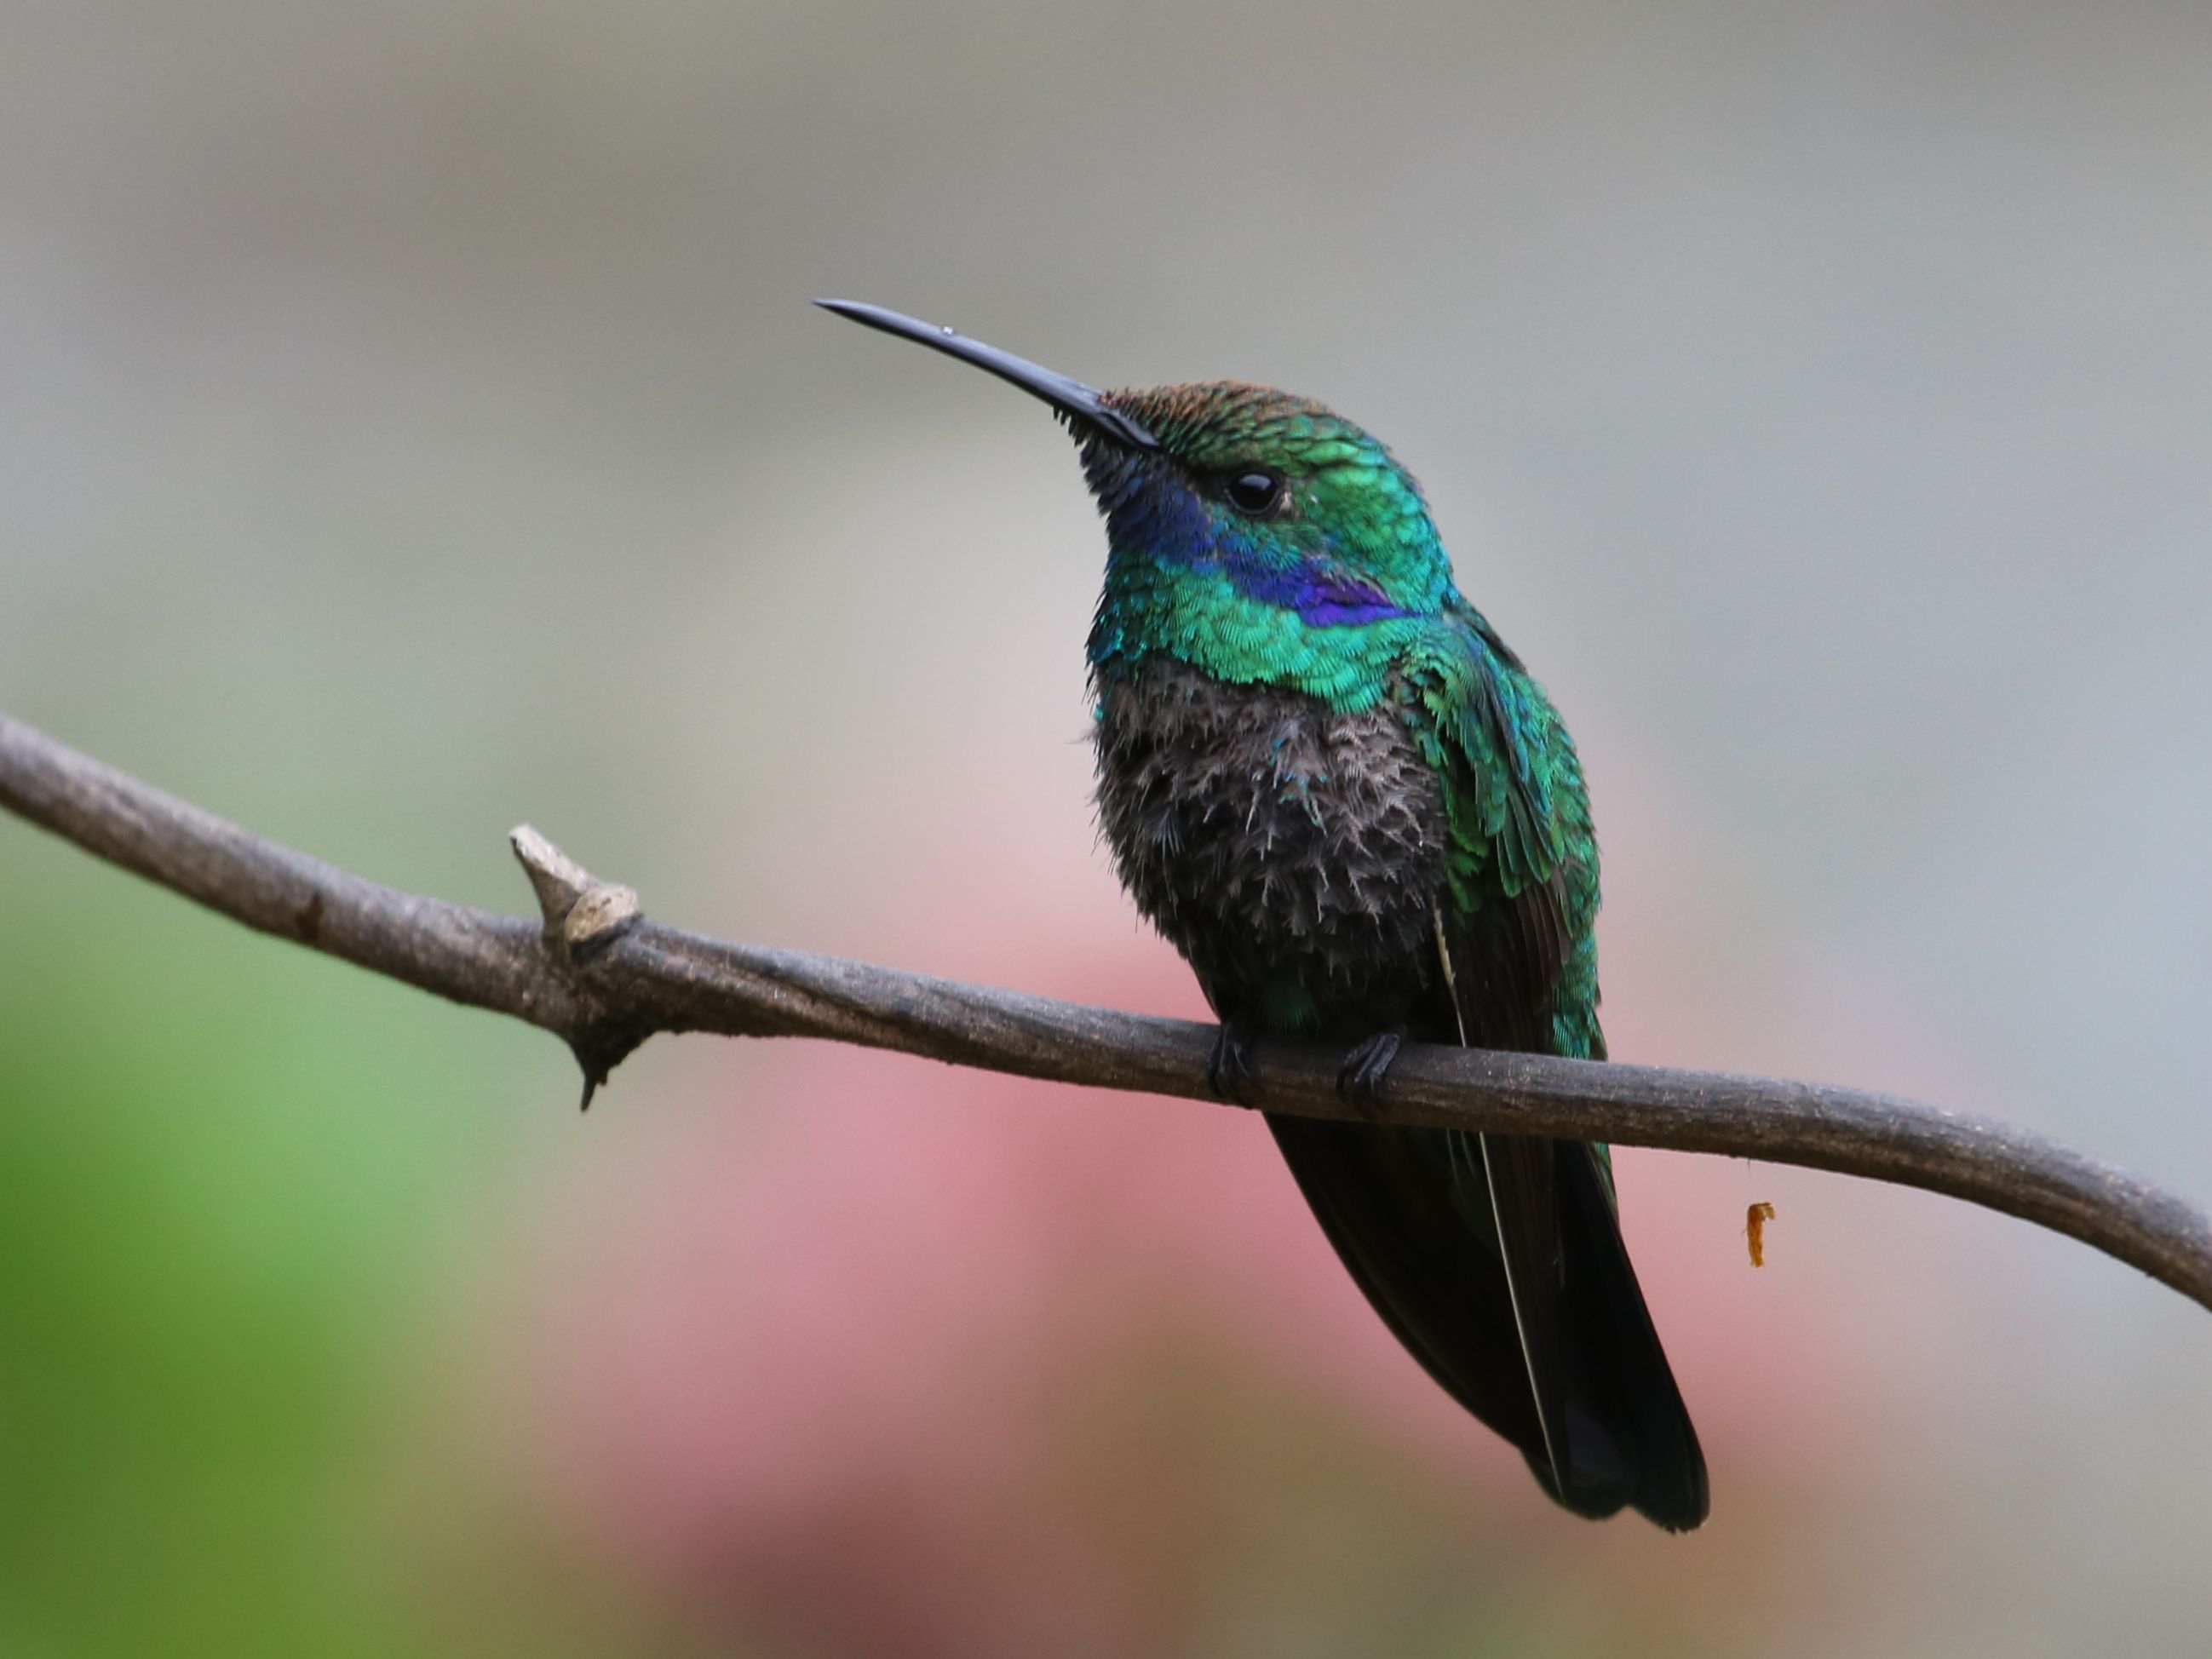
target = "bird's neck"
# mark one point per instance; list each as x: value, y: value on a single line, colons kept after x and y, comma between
x: 1205, y: 617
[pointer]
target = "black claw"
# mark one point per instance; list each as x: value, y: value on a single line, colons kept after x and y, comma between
x: 1229, y: 1067
x: 1360, y: 1080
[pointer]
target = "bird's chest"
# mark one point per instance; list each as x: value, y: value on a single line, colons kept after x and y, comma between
x: 1294, y: 854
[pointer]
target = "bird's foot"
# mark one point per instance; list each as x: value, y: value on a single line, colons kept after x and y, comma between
x: 1359, y: 1079
x: 1229, y: 1067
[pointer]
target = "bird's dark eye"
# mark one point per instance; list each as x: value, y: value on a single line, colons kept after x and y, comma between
x: 1253, y: 492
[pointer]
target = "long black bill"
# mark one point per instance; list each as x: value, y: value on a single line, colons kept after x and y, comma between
x: 1070, y: 397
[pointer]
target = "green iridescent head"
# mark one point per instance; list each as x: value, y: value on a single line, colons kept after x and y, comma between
x: 1292, y: 504
x: 1257, y: 534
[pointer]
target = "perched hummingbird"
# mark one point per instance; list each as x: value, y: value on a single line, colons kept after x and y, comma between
x: 1334, y: 788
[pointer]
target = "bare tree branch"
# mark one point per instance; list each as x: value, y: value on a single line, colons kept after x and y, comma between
x: 598, y: 974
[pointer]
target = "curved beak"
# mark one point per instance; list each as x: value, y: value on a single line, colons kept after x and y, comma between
x: 1071, y: 397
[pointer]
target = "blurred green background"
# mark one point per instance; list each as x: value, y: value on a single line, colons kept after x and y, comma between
x: 412, y: 423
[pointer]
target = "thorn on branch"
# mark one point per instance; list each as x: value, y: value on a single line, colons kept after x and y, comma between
x: 583, y: 916
x: 560, y: 881
x: 599, y: 1049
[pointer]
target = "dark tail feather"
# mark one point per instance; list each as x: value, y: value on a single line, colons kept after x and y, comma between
x: 1520, y: 1177
x: 1410, y: 1212
x: 1616, y: 1371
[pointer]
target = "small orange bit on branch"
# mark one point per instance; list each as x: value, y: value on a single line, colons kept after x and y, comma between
x: 1754, y: 1232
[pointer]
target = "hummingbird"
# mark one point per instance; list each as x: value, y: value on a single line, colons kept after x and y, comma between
x: 1332, y: 786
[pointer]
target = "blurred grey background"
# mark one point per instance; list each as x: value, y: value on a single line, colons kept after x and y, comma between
x: 412, y: 422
